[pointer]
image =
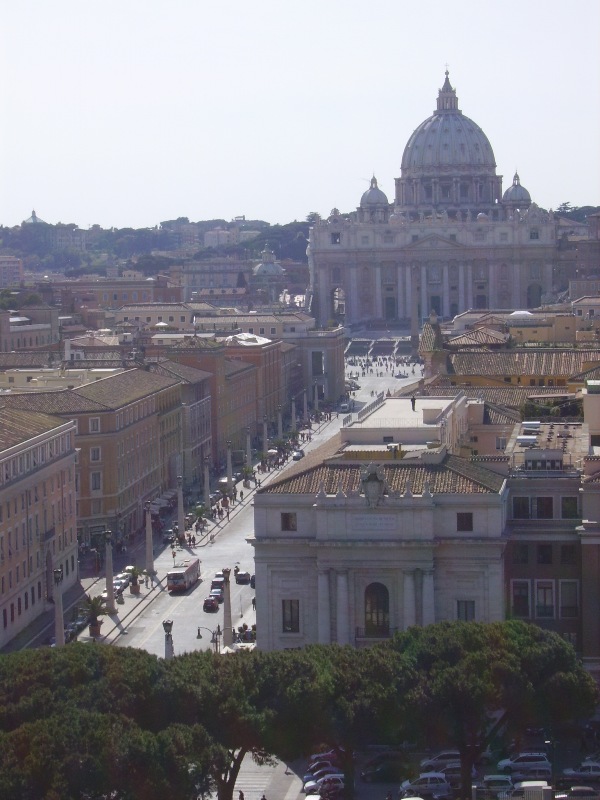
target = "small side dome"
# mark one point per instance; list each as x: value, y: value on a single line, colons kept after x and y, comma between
x: 516, y: 196
x: 481, y: 217
x: 373, y: 196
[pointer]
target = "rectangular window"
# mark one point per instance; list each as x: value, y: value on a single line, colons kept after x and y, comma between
x: 534, y: 234
x: 290, y: 616
x: 95, y: 481
x: 569, y: 507
x: 289, y: 521
x: 465, y: 610
x: 336, y: 238
x: 544, y: 599
x: 94, y: 426
x: 94, y: 454
x: 521, y: 508
x: 544, y: 507
x: 569, y: 599
x: 520, y: 599
x: 273, y: 331
x: 500, y: 442
x: 464, y: 521
x: 567, y: 554
x: 544, y: 554
x: 520, y: 553
x: 317, y: 362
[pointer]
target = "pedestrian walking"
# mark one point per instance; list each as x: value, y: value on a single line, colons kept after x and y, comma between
x: 228, y: 514
x: 254, y: 603
x: 241, y: 796
x: 241, y: 497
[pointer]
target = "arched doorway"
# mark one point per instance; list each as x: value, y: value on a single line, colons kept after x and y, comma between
x: 390, y: 308
x: 377, y: 610
x: 534, y: 295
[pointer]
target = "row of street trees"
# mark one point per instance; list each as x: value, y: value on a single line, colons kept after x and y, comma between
x: 87, y: 721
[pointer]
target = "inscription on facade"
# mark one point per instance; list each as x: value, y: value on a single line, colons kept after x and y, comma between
x: 373, y: 522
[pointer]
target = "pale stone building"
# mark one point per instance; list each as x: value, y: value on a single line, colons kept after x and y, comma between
x: 449, y: 241
x: 380, y: 529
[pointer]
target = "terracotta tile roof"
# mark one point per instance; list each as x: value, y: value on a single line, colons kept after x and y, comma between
x: 454, y: 475
x: 118, y: 390
x: 592, y: 374
x: 62, y: 402
x: 17, y: 425
x: 498, y: 415
x: 182, y: 371
x: 431, y: 338
x: 25, y: 358
x: 507, y: 396
x: 558, y: 363
x: 478, y: 337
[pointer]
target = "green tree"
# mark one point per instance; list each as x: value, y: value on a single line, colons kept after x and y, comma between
x: 475, y: 678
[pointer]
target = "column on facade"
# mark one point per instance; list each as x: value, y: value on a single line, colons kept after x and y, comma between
x: 409, y: 291
x: 428, y: 599
x: 325, y: 313
x: 353, y: 297
x: 469, y: 286
x: 492, y: 286
x: 516, y: 286
x: 378, y: 299
x: 343, y: 616
x: 410, y: 612
x: 446, y: 291
x: 461, y: 288
x: 401, y: 310
x: 424, y: 308
x: 323, y: 608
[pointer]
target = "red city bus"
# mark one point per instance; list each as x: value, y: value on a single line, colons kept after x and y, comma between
x: 183, y: 575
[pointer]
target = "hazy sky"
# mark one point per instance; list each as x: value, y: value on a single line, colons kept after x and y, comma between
x: 129, y: 112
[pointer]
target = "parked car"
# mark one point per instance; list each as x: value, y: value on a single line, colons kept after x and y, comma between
x: 588, y: 772
x: 124, y: 576
x: 252, y: 581
x: 344, y: 408
x: 578, y: 793
x: 386, y: 772
x: 494, y: 787
x: 211, y: 604
x: 321, y: 763
x: 326, y: 783
x: 242, y: 577
x: 320, y: 773
x: 540, y: 773
x: 217, y: 594
x: 523, y: 762
x: 297, y: 455
x: 427, y: 785
x: 385, y: 756
x: 335, y: 752
x: 439, y: 760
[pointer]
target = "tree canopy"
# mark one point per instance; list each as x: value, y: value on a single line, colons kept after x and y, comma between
x: 88, y: 721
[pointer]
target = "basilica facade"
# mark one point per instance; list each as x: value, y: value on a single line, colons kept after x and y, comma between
x: 451, y: 240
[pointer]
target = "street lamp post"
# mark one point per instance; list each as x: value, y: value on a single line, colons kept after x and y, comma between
x: 110, y: 589
x: 169, y: 649
x: 305, y: 405
x: 180, y: 508
x: 149, y: 542
x: 248, y: 448
x: 293, y: 425
x: 215, y: 636
x: 59, y: 623
x: 279, y: 423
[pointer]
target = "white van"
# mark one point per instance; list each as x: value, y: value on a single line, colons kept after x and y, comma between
x: 531, y: 790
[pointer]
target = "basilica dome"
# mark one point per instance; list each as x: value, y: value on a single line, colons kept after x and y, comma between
x: 448, y: 139
x: 516, y: 196
x: 448, y: 163
x: 373, y: 196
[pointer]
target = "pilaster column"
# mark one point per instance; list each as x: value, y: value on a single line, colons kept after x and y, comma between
x: 461, y: 288
x: 324, y: 313
x: 424, y: 308
x: 469, y: 286
x: 410, y: 613
x: 409, y: 292
x: 353, y: 297
x: 343, y: 633
x: 323, y: 608
x: 516, y: 286
x: 378, y: 300
x: 446, y: 291
x: 428, y: 599
x: 492, y: 285
x: 401, y: 309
